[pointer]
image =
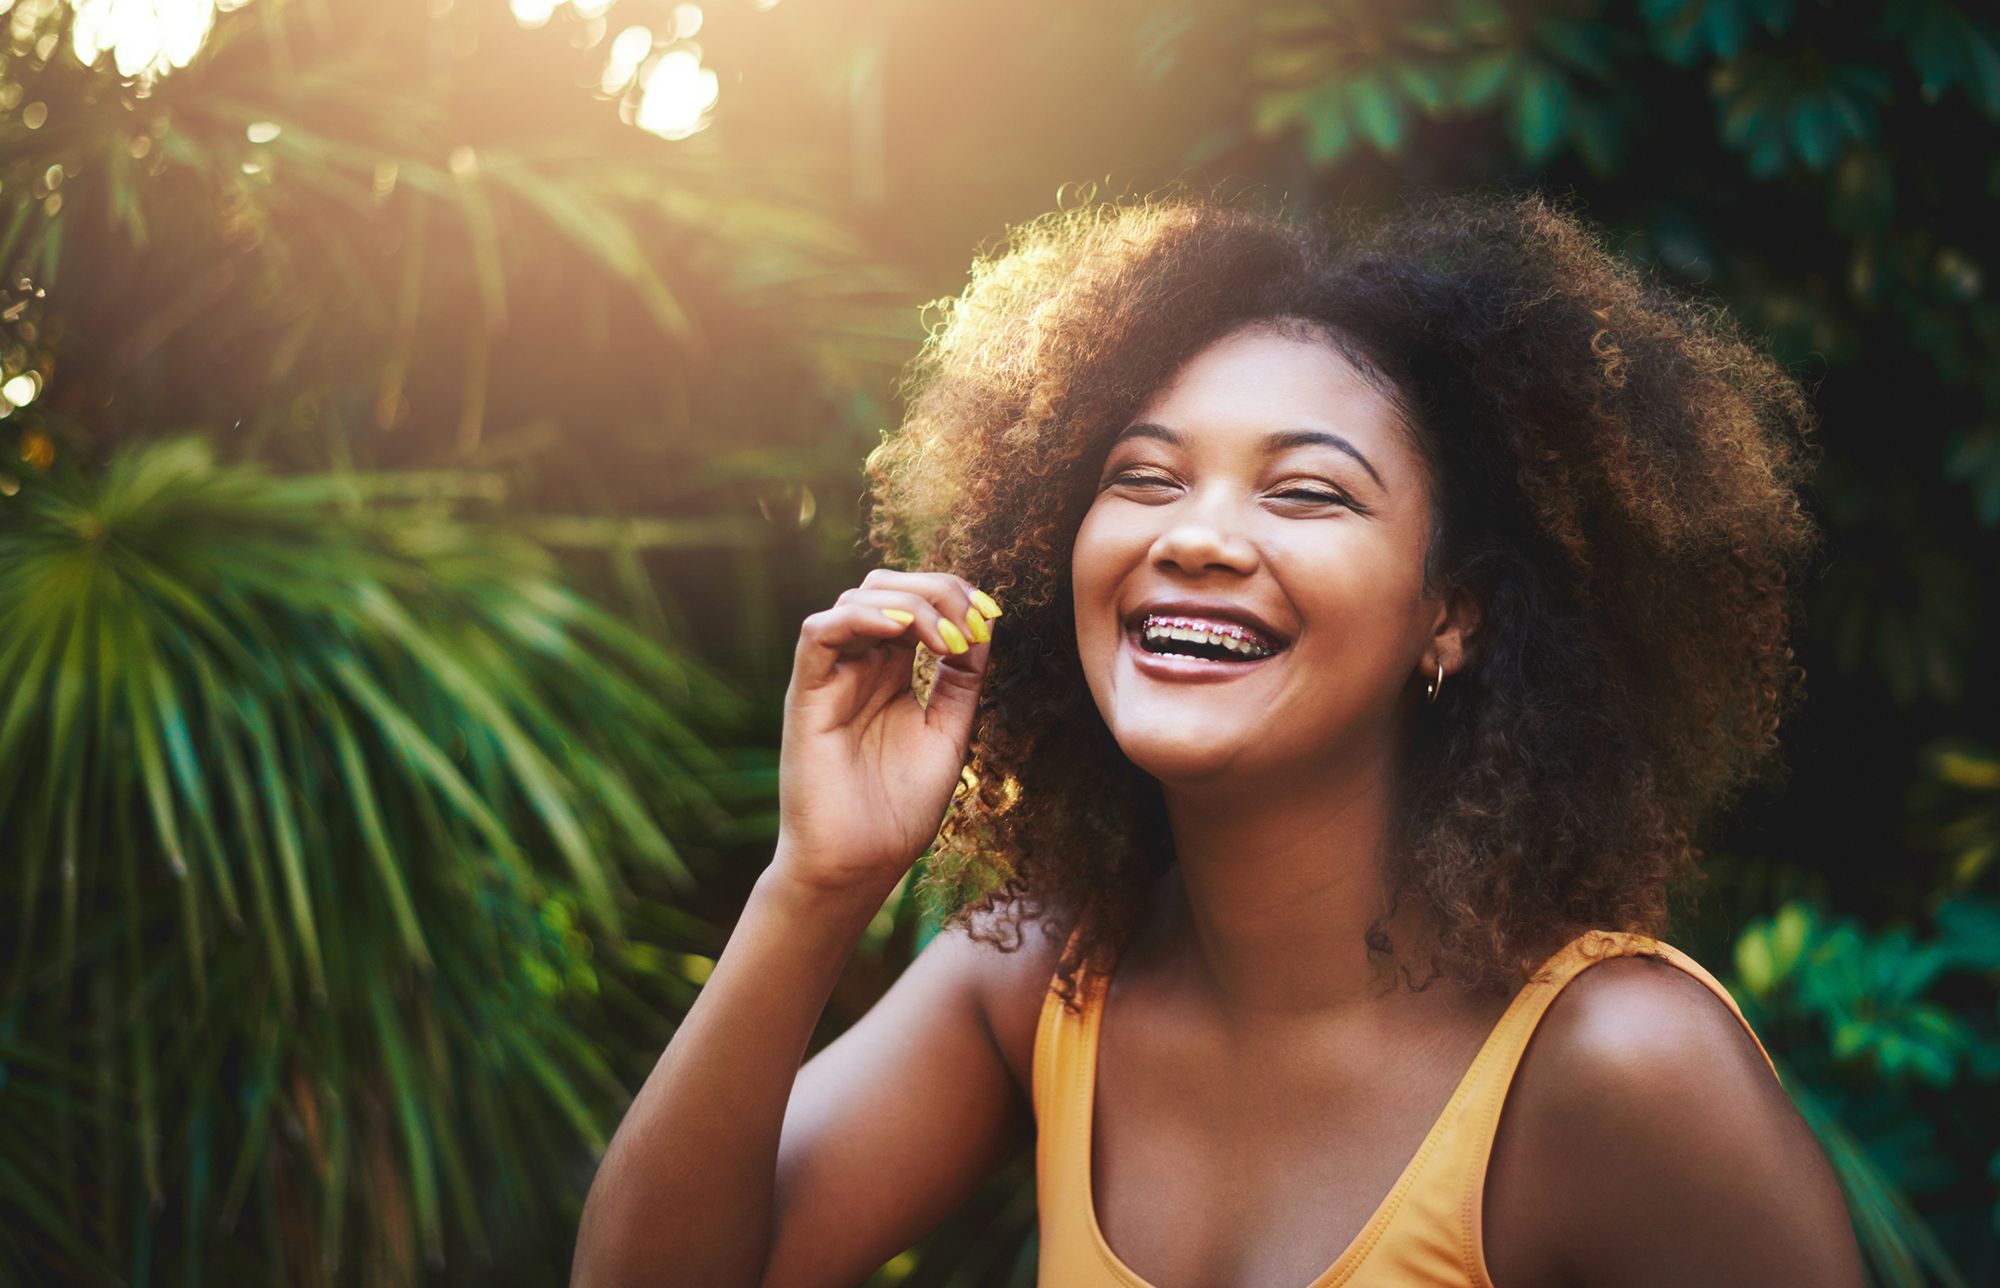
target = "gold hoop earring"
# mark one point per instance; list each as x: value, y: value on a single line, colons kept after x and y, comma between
x: 1431, y: 687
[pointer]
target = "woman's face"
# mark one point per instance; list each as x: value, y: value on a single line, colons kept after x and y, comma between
x: 1268, y: 492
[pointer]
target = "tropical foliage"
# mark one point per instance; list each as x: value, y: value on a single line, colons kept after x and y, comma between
x: 345, y: 841
x: 310, y: 783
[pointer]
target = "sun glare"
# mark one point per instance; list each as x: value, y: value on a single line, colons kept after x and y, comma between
x: 671, y: 93
x: 655, y: 69
x: 20, y: 391
x: 145, y: 38
x: 677, y: 94
x: 630, y: 49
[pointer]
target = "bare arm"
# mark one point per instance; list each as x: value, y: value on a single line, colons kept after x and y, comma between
x: 904, y: 1116
x: 684, y: 1193
x: 884, y: 1133
x: 688, y: 1190
x: 1674, y: 1156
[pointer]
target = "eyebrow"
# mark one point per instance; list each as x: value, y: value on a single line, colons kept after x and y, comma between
x: 1282, y: 440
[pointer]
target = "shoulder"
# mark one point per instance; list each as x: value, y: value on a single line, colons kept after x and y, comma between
x: 1640, y: 1025
x: 1668, y: 1151
x: 1009, y: 978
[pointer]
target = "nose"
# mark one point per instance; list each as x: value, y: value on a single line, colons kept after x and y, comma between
x: 1199, y: 537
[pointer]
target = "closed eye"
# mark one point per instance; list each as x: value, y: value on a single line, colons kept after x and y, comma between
x: 1309, y: 494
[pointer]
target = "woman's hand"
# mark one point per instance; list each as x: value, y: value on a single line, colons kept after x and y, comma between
x: 866, y: 772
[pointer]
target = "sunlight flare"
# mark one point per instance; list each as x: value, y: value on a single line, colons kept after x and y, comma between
x: 677, y: 95
x: 145, y: 38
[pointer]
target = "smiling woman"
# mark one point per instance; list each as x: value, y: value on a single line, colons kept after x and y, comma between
x: 1472, y: 410
x: 1389, y: 607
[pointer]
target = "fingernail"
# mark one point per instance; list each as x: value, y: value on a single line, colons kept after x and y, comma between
x: 953, y: 640
x: 986, y: 603
x: 898, y: 616
x: 976, y: 626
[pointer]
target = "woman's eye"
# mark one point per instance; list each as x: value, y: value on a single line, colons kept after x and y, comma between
x: 1135, y: 479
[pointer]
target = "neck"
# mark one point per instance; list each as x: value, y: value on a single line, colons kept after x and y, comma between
x: 1273, y: 890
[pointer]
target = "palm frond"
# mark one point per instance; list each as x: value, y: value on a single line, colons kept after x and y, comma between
x: 321, y: 799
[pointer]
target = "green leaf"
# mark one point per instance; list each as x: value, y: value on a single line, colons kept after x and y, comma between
x: 1754, y: 961
x: 1377, y: 110
x: 1598, y: 136
x: 1427, y: 81
x: 1483, y: 77
x: 1540, y: 116
x: 1584, y: 45
x: 355, y: 776
x: 1816, y: 132
x: 1791, y: 928
x: 1972, y: 457
x: 1276, y: 111
x: 1327, y: 129
x: 1723, y: 27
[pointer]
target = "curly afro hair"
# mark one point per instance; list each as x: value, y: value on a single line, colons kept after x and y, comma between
x: 1612, y: 468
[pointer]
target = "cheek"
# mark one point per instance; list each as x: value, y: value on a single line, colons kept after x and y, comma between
x: 1095, y: 558
x: 1100, y: 560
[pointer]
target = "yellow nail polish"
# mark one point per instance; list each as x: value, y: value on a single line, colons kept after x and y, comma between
x: 986, y: 603
x: 976, y: 626
x: 953, y: 639
x: 898, y: 616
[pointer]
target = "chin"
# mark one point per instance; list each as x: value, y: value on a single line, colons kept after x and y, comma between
x: 1180, y: 756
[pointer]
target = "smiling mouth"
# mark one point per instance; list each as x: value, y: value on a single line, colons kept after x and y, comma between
x: 1189, y: 639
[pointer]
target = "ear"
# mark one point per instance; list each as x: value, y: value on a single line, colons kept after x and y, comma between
x: 1454, y: 632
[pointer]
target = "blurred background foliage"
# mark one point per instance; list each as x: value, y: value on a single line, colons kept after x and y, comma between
x: 427, y: 420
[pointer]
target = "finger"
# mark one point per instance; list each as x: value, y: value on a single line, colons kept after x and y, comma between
x: 893, y: 579
x: 831, y: 634
x: 969, y: 610
x: 924, y: 624
x: 954, y: 694
x: 865, y: 618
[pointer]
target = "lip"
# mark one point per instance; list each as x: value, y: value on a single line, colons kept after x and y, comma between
x: 1194, y: 670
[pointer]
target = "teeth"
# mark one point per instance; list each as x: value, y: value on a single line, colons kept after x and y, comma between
x: 1233, y: 638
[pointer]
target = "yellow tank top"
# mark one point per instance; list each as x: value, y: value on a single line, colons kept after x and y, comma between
x: 1425, y: 1233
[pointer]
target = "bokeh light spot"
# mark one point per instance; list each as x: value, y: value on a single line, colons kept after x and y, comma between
x: 534, y: 13
x: 21, y: 390
x: 632, y: 45
x: 628, y: 51
x: 145, y: 38
x: 678, y: 94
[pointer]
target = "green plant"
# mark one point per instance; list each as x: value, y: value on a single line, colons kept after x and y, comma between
x: 307, y: 788
x: 1862, y: 1027
x: 400, y: 234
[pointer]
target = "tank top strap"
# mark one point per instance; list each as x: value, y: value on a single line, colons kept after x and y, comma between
x: 1058, y: 1041
x: 1587, y: 949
